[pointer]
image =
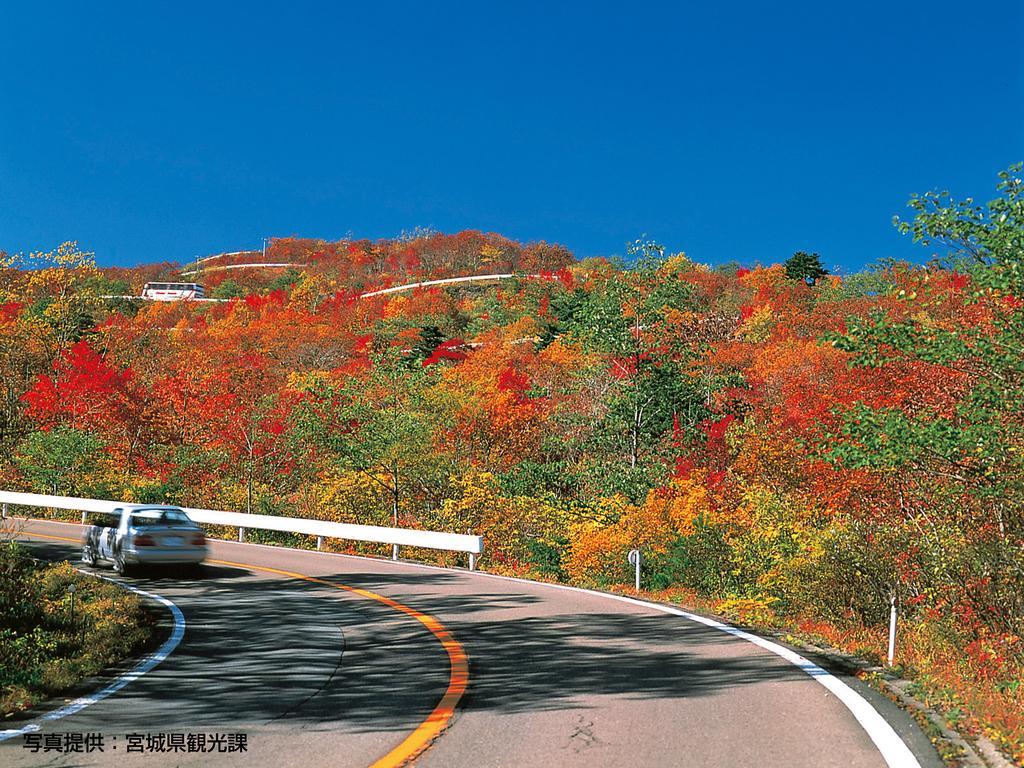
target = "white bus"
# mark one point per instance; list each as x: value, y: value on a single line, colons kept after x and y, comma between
x: 172, y: 291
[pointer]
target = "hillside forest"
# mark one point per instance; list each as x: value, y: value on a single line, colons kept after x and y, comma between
x: 789, y: 448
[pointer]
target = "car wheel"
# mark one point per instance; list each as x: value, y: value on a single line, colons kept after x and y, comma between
x: 196, y: 571
x: 120, y: 564
x: 88, y: 556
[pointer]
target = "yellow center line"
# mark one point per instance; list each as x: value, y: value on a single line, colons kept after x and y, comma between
x: 458, y: 678
x: 45, y: 536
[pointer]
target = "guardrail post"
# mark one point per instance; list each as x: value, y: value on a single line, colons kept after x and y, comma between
x: 319, y: 542
x: 472, y: 561
x: 394, y: 551
x: 241, y: 534
x: 83, y: 517
x: 5, y: 511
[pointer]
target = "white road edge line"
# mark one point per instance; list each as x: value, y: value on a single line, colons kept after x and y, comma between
x: 893, y: 749
x: 138, y: 671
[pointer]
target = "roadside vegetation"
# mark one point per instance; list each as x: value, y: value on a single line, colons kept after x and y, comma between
x: 790, y: 447
x: 45, y: 647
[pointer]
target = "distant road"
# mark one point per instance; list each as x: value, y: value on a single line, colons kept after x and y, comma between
x: 367, y: 295
x: 316, y: 675
x: 444, y: 281
x: 275, y: 265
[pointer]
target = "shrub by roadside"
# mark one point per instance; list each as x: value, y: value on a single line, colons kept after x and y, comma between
x: 44, y: 648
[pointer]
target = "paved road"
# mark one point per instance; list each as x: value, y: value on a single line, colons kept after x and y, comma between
x: 313, y: 675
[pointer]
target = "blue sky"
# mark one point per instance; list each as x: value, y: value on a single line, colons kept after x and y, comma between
x: 743, y: 130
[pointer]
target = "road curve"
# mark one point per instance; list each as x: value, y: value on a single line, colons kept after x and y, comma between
x: 311, y: 672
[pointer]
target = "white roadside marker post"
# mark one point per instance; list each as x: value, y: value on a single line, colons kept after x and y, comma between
x: 892, y: 626
x: 635, y: 559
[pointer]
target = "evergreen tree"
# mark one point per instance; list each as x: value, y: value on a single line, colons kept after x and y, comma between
x: 805, y: 266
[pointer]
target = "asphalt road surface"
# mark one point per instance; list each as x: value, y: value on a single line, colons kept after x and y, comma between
x: 314, y: 674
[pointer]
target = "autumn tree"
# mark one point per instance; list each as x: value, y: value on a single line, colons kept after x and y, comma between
x: 245, y: 411
x: 86, y: 392
x: 62, y: 286
x: 958, y: 462
x: 23, y: 355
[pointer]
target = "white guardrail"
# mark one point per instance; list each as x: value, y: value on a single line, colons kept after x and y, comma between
x: 396, y: 537
x: 442, y: 281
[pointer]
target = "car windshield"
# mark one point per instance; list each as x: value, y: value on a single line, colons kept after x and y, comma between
x: 149, y: 517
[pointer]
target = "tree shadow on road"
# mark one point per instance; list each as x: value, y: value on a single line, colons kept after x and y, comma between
x: 268, y: 651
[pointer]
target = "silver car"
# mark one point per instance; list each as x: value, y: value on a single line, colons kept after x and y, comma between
x: 144, y: 534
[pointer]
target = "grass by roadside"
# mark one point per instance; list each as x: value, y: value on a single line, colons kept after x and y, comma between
x: 45, y: 648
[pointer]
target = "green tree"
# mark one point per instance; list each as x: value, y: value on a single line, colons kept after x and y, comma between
x: 623, y: 318
x: 285, y: 280
x: 430, y: 337
x: 229, y: 289
x: 56, y: 461
x: 805, y: 266
x: 380, y: 425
